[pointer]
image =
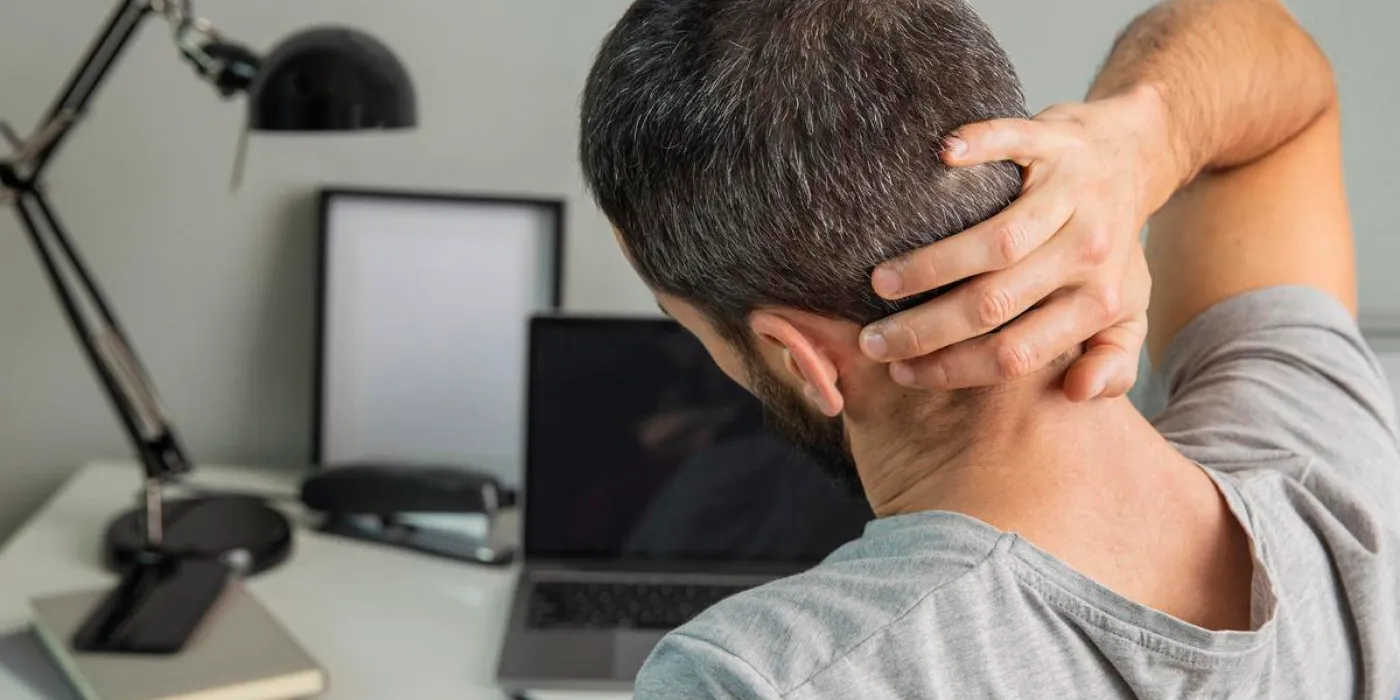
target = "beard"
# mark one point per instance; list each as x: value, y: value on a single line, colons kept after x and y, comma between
x: 820, y: 438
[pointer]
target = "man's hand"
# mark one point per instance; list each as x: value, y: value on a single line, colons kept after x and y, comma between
x: 1063, y: 264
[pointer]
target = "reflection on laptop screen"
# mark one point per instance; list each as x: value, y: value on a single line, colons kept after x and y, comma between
x: 640, y: 449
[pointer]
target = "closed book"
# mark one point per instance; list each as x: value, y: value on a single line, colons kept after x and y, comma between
x: 239, y: 652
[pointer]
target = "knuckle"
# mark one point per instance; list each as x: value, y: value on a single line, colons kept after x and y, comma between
x: 905, y: 341
x: 935, y: 376
x: 1011, y: 242
x: 1064, y: 111
x: 993, y: 309
x: 1109, y: 302
x: 1015, y: 360
x: 1077, y: 148
x: 922, y: 272
x: 1098, y: 246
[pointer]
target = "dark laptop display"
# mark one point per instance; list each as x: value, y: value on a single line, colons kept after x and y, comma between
x: 641, y: 450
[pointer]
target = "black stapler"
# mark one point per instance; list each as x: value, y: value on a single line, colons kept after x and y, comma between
x: 412, y: 507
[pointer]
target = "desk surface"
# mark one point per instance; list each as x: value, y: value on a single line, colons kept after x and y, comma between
x: 383, y: 622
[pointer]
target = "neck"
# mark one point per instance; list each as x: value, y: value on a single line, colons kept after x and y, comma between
x: 1093, y: 484
x: 1029, y: 461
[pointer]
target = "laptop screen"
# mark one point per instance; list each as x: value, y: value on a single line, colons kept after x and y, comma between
x: 641, y: 449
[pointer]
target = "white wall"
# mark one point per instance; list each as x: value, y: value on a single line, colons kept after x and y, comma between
x: 216, y: 287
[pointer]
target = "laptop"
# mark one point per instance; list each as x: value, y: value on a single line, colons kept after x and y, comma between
x: 652, y: 490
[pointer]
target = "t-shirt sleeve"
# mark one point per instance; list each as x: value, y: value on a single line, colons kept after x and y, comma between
x: 1280, y: 371
x: 689, y: 668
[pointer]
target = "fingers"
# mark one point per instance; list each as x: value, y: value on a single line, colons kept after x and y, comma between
x: 995, y: 244
x: 976, y: 308
x: 1018, y: 140
x: 1024, y: 347
x: 1109, y: 366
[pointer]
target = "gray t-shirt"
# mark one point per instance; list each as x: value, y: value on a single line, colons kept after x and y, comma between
x: 1277, y: 395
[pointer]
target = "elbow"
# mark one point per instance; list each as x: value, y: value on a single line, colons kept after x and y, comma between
x: 1320, y: 74
x: 1327, y: 79
x: 1315, y: 69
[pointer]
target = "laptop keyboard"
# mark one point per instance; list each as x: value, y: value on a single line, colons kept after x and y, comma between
x: 644, y: 606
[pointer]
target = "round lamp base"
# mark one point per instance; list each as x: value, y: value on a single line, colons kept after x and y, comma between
x: 214, y: 527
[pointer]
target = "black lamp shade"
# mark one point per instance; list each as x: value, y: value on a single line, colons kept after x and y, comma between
x: 331, y: 79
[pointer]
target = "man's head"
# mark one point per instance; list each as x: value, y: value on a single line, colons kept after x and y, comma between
x: 759, y: 158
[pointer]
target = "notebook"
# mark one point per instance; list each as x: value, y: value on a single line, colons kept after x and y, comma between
x: 239, y: 653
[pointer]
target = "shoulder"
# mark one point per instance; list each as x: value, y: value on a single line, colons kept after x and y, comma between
x: 832, y: 609
x: 685, y: 666
x: 1277, y: 372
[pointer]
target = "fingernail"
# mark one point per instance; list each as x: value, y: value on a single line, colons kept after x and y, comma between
x: 887, y: 282
x: 902, y: 374
x: 954, y: 146
x: 874, y: 343
x: 1100, y: 386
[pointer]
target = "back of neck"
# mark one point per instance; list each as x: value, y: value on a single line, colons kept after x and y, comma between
x: 1023, y: 446
x: 1092, y: 484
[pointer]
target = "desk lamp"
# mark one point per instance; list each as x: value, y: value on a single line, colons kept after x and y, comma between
x: 324, y: 79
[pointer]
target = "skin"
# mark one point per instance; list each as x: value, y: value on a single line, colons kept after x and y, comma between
x: 1205, y: 92
x: 1232, y: 81
x: 1033, y: 463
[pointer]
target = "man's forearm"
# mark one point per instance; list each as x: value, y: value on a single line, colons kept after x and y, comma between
x: 1234, y: 79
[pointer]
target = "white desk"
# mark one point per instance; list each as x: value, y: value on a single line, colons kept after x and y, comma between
x: 384, y: 623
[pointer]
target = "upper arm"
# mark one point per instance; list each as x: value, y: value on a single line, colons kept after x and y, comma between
x: 683, y: 666
x: 1282, y: 373
x: 1280, y: 220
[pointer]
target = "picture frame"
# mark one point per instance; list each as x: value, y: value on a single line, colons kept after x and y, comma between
x: 422, y: 312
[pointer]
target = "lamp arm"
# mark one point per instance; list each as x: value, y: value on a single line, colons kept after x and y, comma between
x: 128, y: 387
x: 114, y: 626
x: 230, y: 67
x: 83, y: 302
x: 82, y: 85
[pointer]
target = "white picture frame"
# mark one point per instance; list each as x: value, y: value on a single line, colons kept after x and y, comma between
x: 424, y: 308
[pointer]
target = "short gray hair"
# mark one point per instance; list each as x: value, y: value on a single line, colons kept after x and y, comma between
x: 770, y: 153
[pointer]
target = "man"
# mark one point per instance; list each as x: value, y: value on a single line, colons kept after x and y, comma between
x: 761, y: 158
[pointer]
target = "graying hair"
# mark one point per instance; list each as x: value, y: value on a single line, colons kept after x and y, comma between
x: 770, y: 153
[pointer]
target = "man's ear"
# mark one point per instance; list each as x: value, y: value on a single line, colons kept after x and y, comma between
x: 803, y: 359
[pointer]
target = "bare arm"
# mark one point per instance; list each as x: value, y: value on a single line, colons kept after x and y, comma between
x: 1237, y: 77
x: 1216, y: 120
x: 1249, y: 116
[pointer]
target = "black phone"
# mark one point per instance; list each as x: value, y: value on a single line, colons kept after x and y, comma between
x: 156, y: 608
